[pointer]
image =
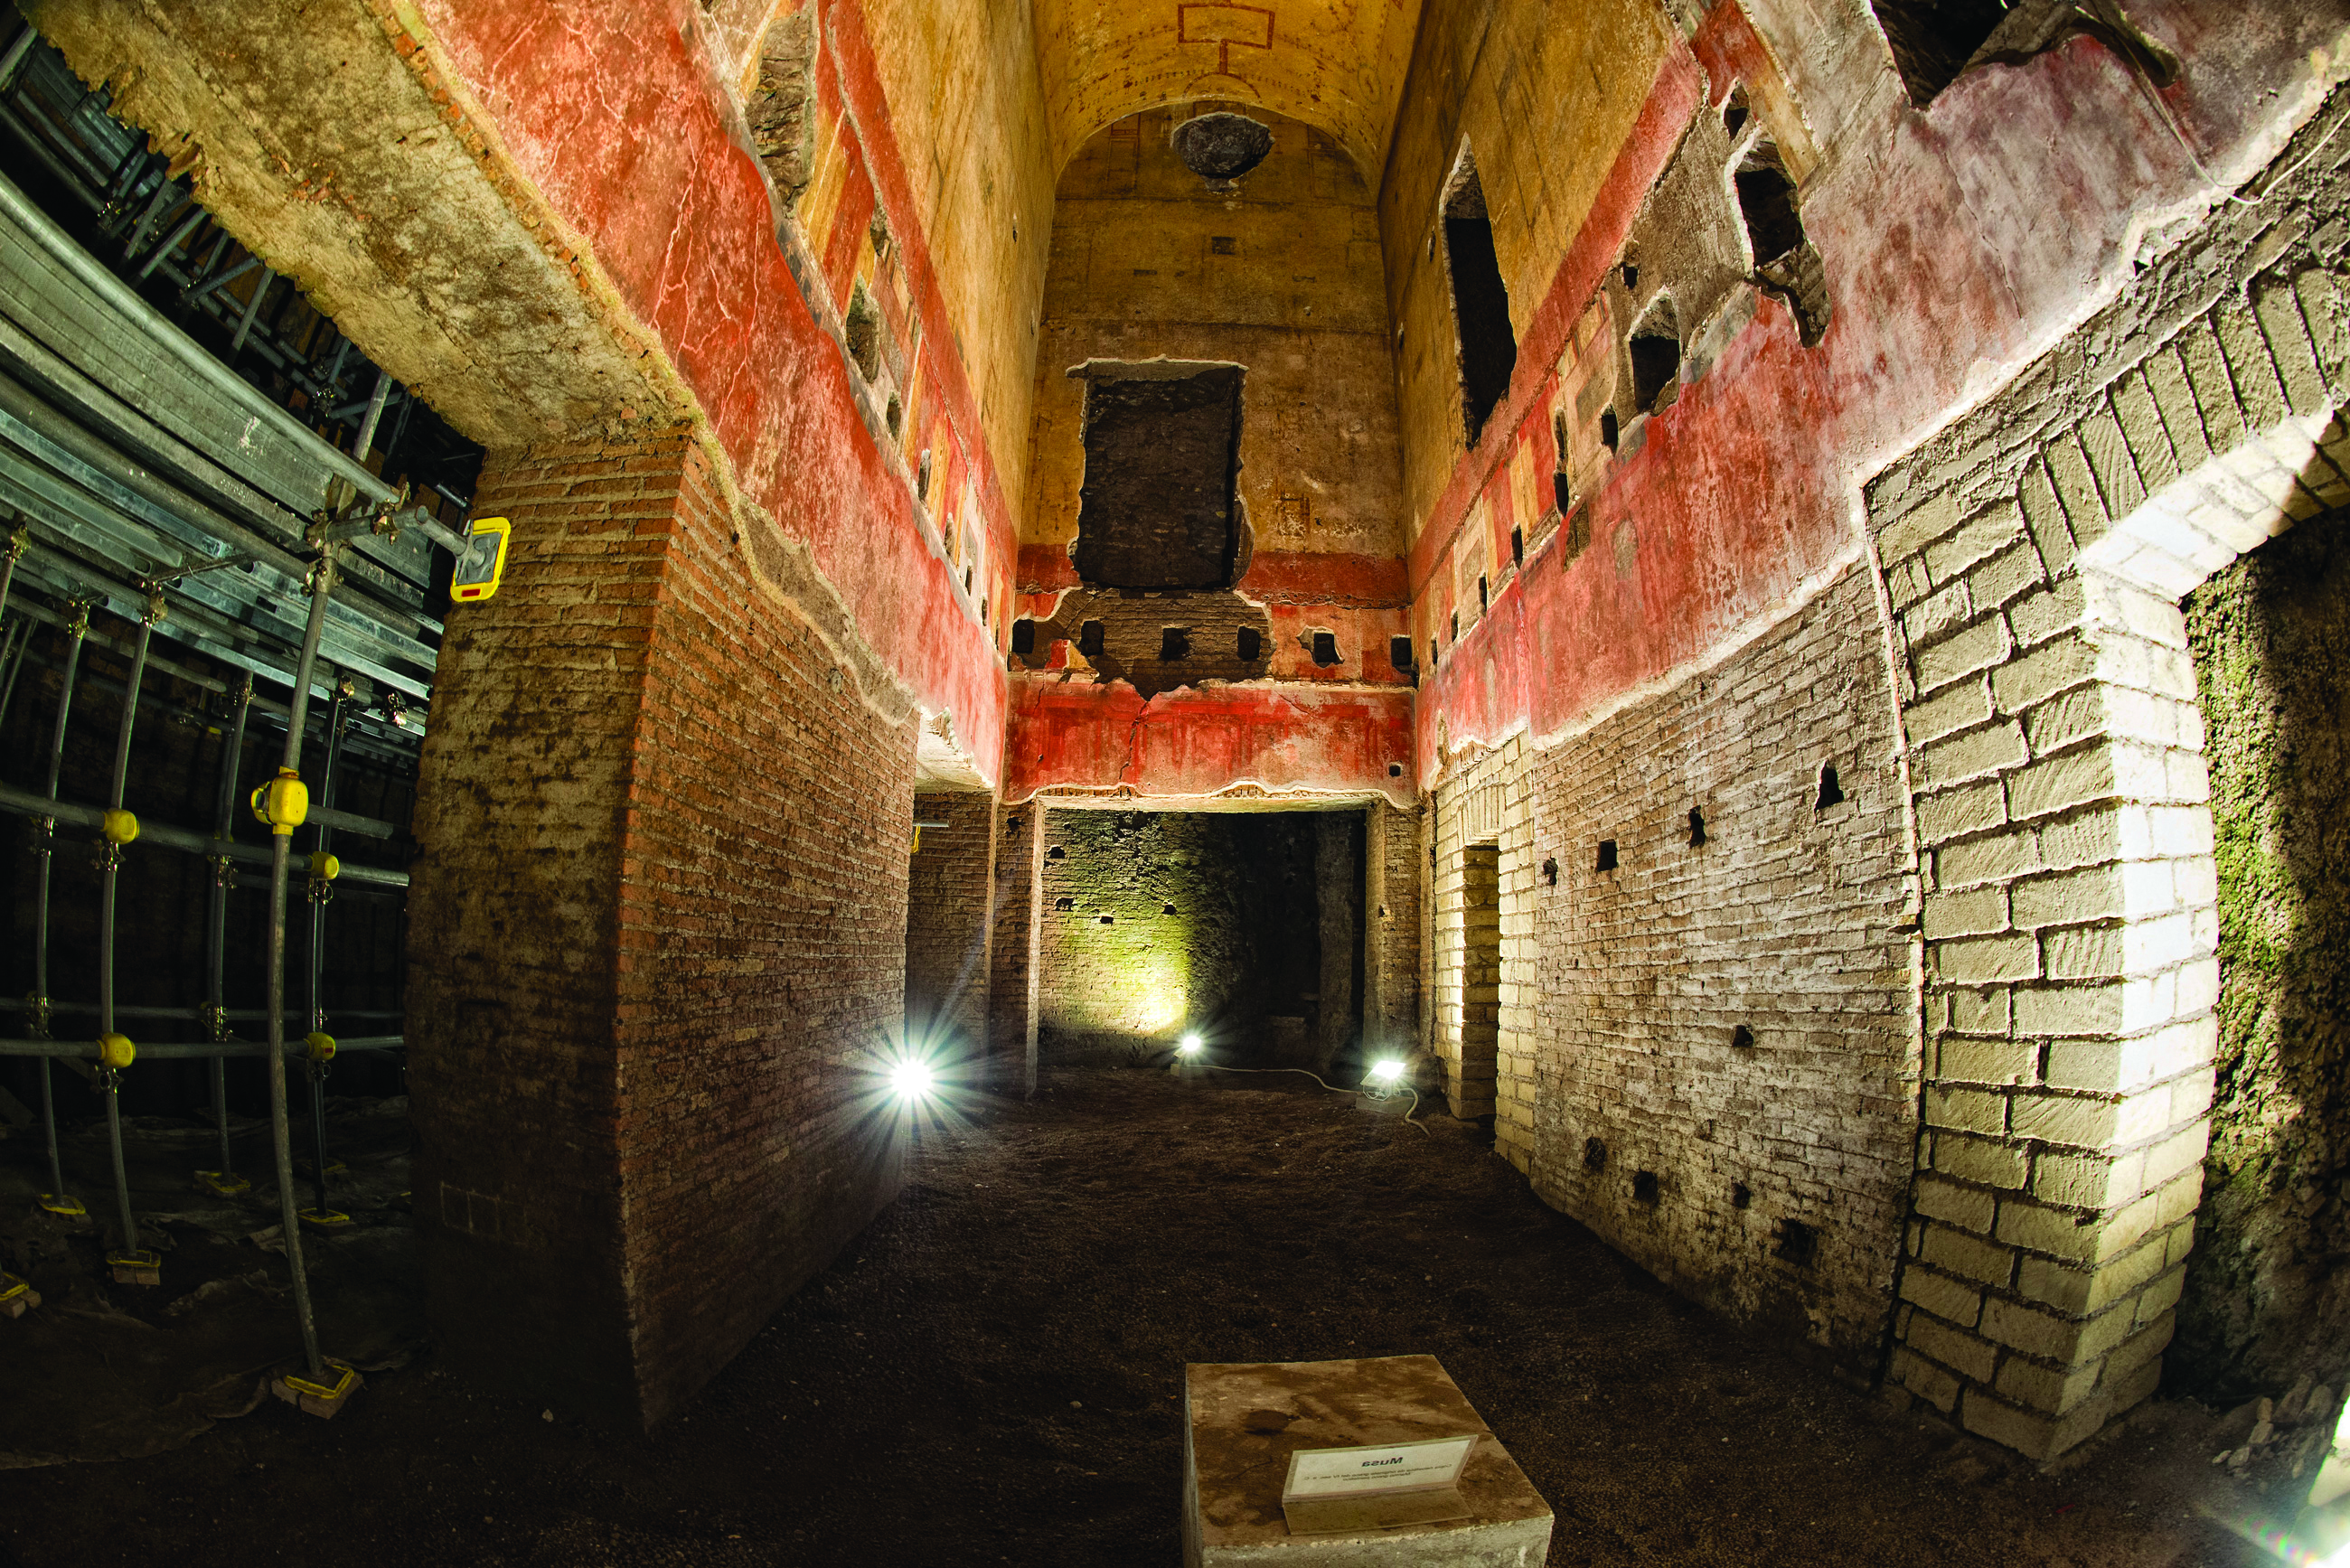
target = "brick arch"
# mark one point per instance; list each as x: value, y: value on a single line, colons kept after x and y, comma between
x: 2034, y: 558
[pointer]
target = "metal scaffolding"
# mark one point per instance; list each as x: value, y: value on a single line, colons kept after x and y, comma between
x: 146, y: 476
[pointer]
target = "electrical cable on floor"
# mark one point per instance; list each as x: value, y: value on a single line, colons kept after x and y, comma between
x: 1412, y: 1116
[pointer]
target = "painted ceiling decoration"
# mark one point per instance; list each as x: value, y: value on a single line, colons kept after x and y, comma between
x: 1336, y: 64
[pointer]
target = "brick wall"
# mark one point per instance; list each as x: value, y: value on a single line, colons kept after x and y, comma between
x: 1734, y: 1018
x: 949, y: 922
x: 1011, y: 988
x: 1486, y: 802
x: 1392, y: 858
x: 658, y: 924
x: 1339, y: 884
x: 1177, y: 920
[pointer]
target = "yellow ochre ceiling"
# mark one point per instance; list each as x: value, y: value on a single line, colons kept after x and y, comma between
x: 1336, y: 64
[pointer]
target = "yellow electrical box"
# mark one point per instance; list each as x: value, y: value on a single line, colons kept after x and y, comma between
x: 481, y: 568
x: 283, y: 804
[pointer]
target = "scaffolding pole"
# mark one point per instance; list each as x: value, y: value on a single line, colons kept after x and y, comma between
x: 281, y: 841
x: 321, y: 890
x: 56, y: 1200
x: 131, y: 1265
x: 224, y: 1182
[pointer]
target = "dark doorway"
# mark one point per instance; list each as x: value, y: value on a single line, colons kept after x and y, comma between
x: 1158, y: 509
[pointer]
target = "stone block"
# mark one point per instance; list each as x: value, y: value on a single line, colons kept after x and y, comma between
x: 2001, y: 858
x: 1978, y: 912
x: 1967, y: 1207
x: 2082, y: 952
x: 2028, y: 1432
x: 2076, y: 1121
x: 1949, y: 813
x: 2052, y: 1389
x: 2072, y: 898
x: 1965, y: 1110
x: 1978, y: 647
x: 2044, y: 515
x: 1976, y: 753
x: 1953, y: 1301
x: 1980, y: 538
x: 2087, y: 1180
x: 1233, y: 1471
x: 2067, y: 1340
x: 1986, y: 959
x: 1957, y: 1252
x: 2059, y: 784
x: 1960, y: 708
x: 1986, y: 1010
x: 2000, y: 1062
x: 2174, y: 401
x: 2047, y: 613
x: 2070, y: 1010
x: 2099, y: 1066
x: 1930, y: 1383
x: 2141, y: 425
x: 2182, y: 1151
x: 2038, y: 675
x: 1964, y: 1353
x: 1910, y: 534
x: 1993, y: 1163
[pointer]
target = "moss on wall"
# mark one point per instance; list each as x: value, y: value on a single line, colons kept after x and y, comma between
x: 2268, y: 1295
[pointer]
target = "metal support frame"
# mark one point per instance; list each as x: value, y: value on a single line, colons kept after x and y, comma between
x: 280, y: 848
x: 56, y: 1200
x: 110, y: 868
x: 321, y: 890
x: 224, y: 1181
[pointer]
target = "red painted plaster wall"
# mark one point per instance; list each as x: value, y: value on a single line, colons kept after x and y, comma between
x: 616, y: 114
x: 1958, y: 242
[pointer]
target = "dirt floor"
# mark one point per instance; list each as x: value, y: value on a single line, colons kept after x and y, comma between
x: 990, y: 1375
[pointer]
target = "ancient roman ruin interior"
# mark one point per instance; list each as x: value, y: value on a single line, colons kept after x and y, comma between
x: 757, y: 756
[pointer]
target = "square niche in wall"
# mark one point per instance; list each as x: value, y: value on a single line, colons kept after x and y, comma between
x: 1158, y: 509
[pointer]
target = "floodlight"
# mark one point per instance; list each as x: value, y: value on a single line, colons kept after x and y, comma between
x: 1189, y: 1046
x: 1387, y: 1072
x: 911, y: 1080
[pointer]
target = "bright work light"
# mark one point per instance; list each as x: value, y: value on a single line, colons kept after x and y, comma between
x: 911, y: 1080
x: 1189, y: 1046
x: 1387, y: 1072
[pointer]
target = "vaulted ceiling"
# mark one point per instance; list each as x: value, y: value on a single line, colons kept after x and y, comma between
x: 1336, y: 64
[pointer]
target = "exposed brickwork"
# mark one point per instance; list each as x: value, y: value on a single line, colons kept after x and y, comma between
x: 1176, y: 921
x: 1487, y: 804
x: 1391, y: 947
x: 2034, y: 555
x: 949, y: 922
x: 661, y: 927
x: 1784, y: 923
x: 1011, y: 988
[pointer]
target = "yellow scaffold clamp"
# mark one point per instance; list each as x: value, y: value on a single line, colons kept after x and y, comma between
x: 325, y: 867
x: 283, y: 804
x: 115, y: 1051
x: 119, y: 826
x: 320, y: 1046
